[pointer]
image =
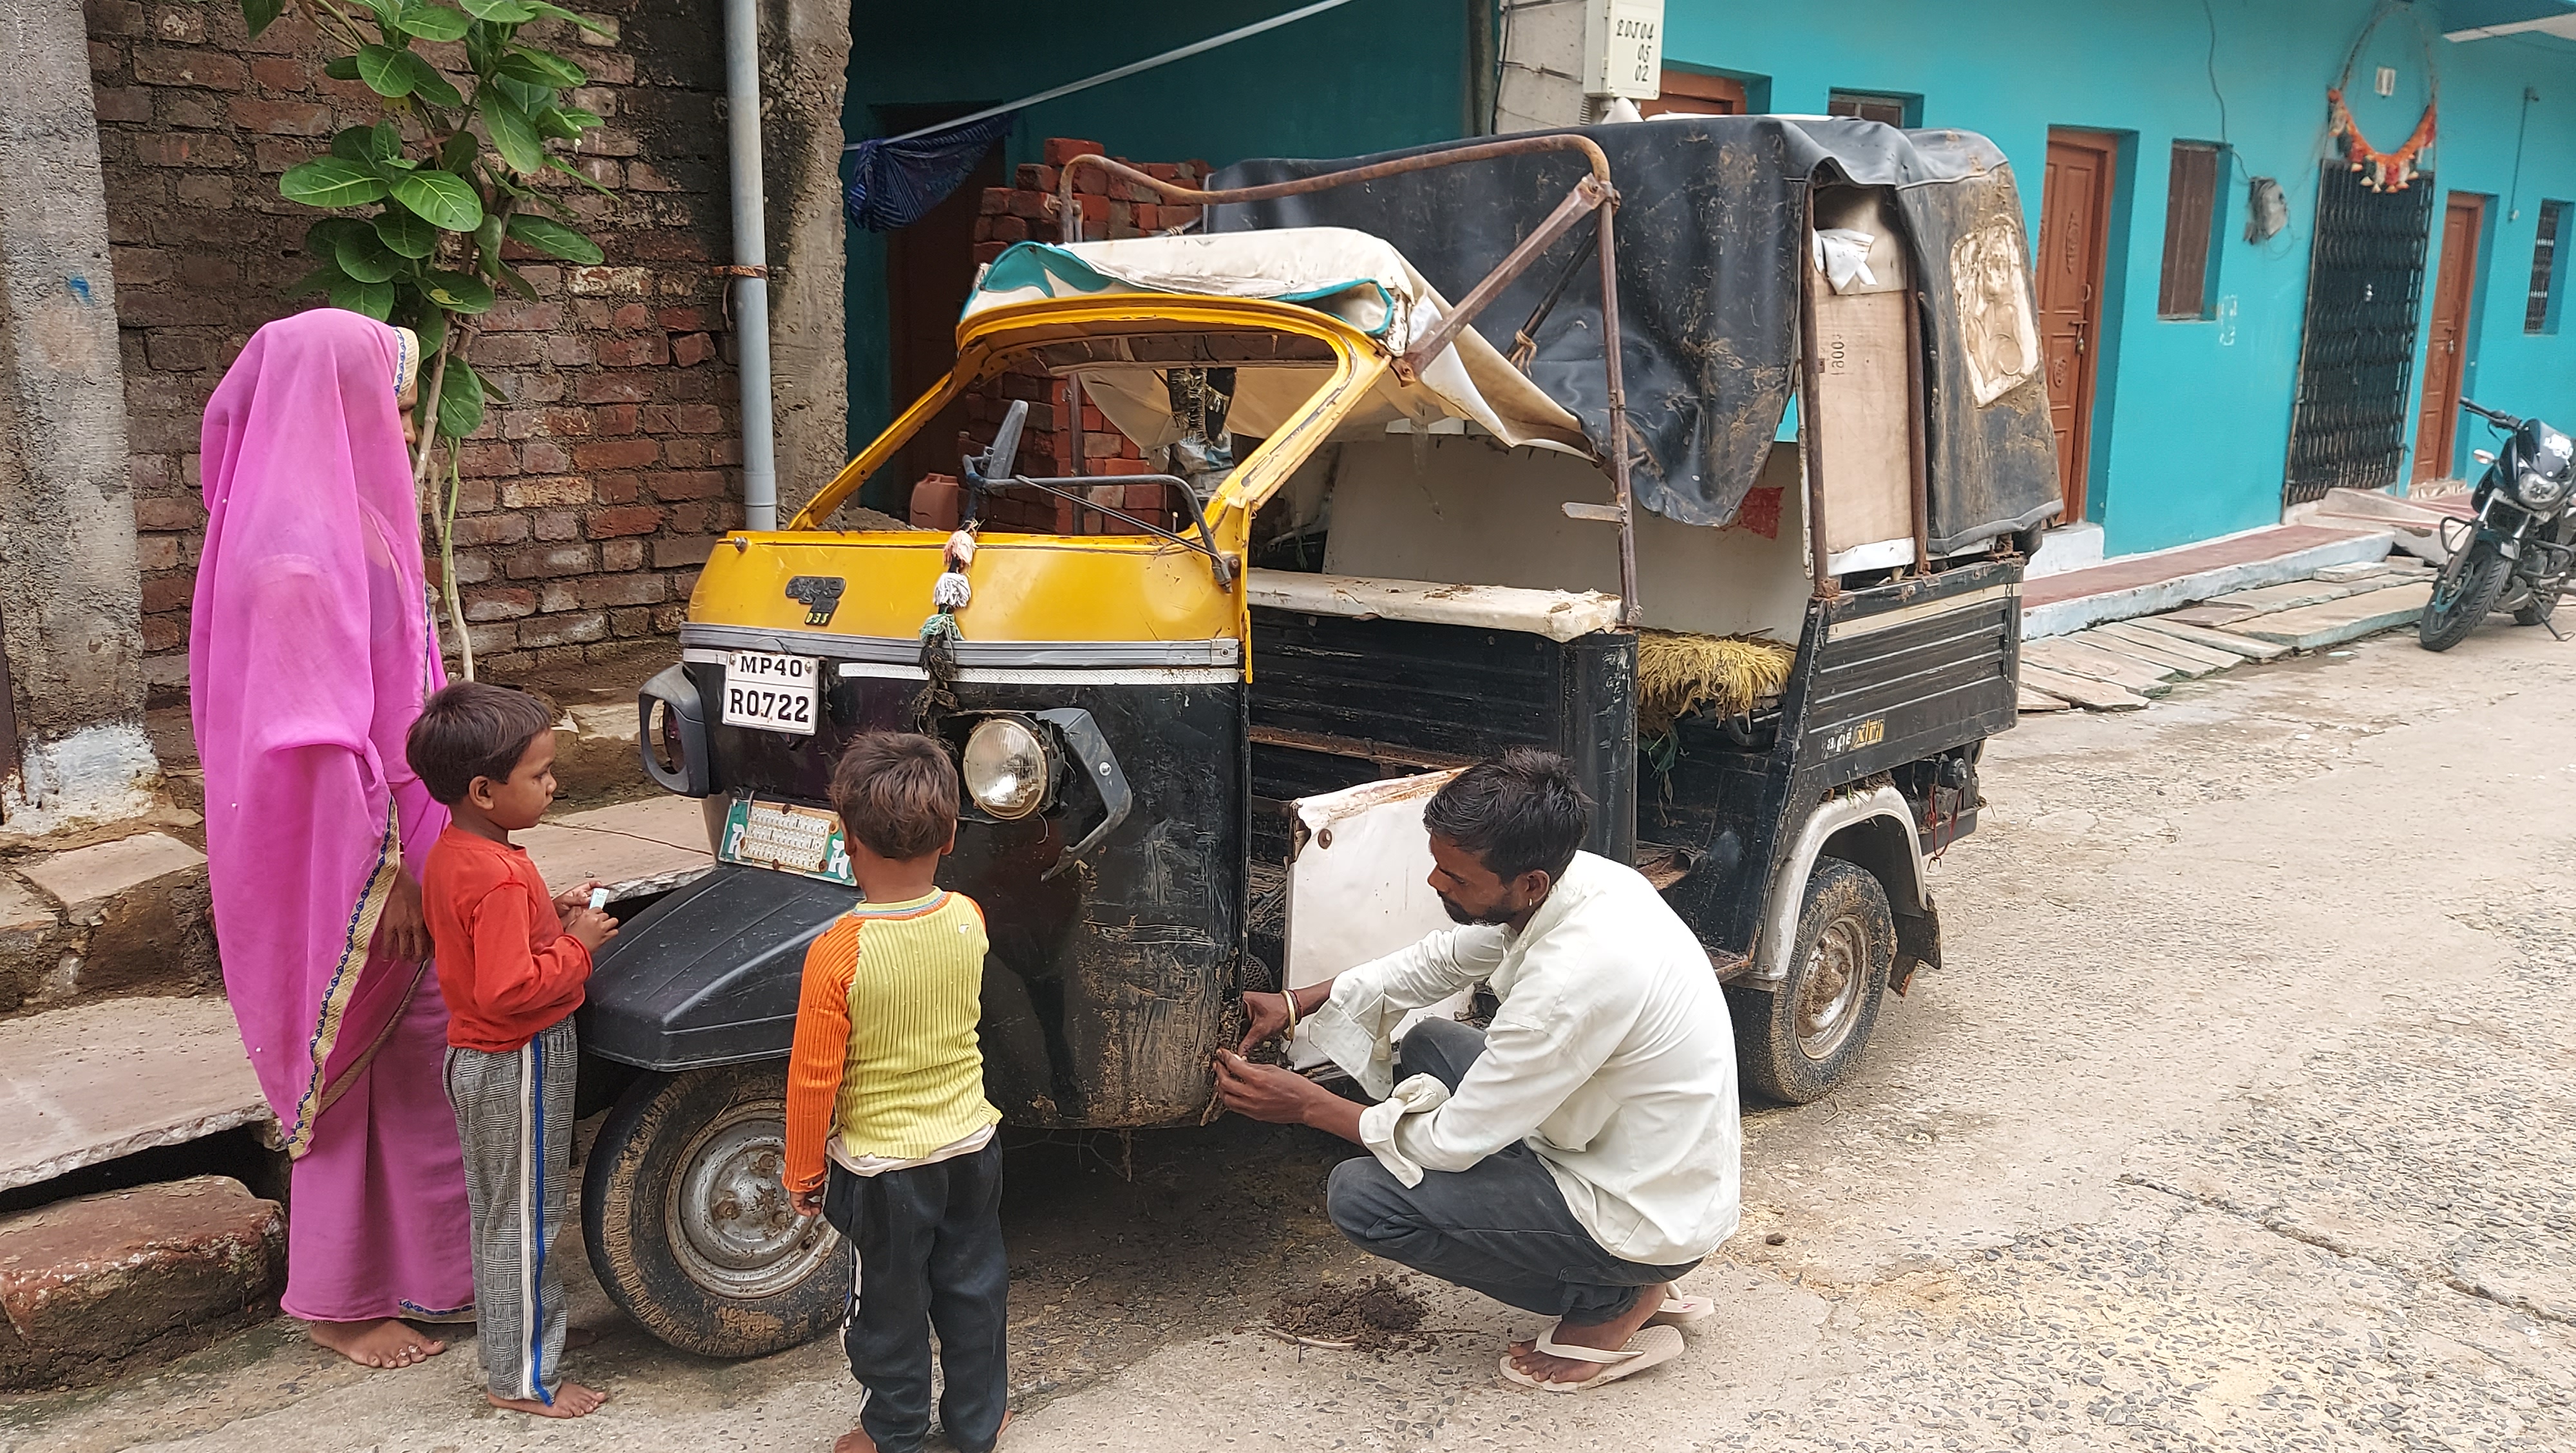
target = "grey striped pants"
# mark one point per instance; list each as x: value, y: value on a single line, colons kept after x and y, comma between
x: 514, y: 1116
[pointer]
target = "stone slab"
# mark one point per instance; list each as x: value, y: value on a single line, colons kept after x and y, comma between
x: 2126, y: 672
x: 2139, y: 638
x: 2290, y: 595
x: 2351, y: 570
x: 2190, y: 666
x: 2315, y: 627
x: 2082, y: 690
x: 2137, y: 585
x: 2032, y: 700
x: 86, y: 878
x: 87, y: 1282
x: 2245, y: 646
x: 91, y: 1082
x: 635, y: 848
x: 2205, y: 615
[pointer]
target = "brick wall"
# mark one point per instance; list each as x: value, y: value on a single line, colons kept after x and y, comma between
x: 1026, y: 212
x: 609, y: 463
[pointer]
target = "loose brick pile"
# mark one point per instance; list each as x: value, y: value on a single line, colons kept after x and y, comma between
x: 1024, y: 212
x: 608, y: 465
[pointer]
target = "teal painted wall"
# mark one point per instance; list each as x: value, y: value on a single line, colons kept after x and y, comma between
x: 1367, y: 77
x: 2192, y: 417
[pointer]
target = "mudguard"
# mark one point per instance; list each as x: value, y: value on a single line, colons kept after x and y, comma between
x: 709, y: 975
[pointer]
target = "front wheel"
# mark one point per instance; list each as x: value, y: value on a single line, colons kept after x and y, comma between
x: 1796, y: 1040
x: 688, y: 1222
x: 2463, y: 599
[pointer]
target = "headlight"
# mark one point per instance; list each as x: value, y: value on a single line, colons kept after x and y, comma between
x: 2540, y: 491
x: 1005, y: 768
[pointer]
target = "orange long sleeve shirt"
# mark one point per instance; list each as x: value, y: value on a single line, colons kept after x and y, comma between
x: 887, y: 1062
x: 506, y: 967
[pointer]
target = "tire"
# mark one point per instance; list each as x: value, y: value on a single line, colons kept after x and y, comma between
x: 688, y: 1224
x: 2480, y: 581
x: 1837, y: 969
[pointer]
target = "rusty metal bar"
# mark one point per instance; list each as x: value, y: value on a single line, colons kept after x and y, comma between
x: 1071, y: 216
x: 1918, y: 452
x: 1609, y: 216
x: 1587, y: 196
x: 1811, y: 375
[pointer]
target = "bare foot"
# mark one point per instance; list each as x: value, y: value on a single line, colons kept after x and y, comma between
x: 1604, y: 1336
x: 384, y: 1342
x: 572, y: 1400
x: 854, y: 1441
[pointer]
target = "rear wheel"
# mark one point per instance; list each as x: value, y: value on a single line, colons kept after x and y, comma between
x: 2463, y: 599
x: 1797, y: 1040
x: 688, y: 1223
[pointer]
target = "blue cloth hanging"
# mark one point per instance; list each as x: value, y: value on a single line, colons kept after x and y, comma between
x: 892, y: 183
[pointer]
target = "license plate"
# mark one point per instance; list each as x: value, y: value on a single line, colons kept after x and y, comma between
x: 787, y: 837
x: 775, y: 693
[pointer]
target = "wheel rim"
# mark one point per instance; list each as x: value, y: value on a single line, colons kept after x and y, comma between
x: 1829, y: 992
x: 737, y: 1236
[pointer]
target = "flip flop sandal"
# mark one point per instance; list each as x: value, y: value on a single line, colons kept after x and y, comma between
x: 1650, y: 1346
x: 1683, y: 1312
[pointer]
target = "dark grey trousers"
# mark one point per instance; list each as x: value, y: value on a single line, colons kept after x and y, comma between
x: 1500, y: 1226
x: 514, y: 1120
x: 929, y: 1244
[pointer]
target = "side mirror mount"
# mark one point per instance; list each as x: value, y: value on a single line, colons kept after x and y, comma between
x: 997, y: 462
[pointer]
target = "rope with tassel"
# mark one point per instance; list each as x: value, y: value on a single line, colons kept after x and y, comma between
x: 939, y: 634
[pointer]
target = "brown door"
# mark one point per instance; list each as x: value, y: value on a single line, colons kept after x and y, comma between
x: 930, y: 268
x: 2446, y: 345
x: 1688, y: 93
x: 2074, y: 230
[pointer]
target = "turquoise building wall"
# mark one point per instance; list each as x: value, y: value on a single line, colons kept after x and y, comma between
x: 2192, y: 417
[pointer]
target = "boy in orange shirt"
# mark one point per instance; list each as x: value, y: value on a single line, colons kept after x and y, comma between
x: 886, y: 1084
x: 511, y: 965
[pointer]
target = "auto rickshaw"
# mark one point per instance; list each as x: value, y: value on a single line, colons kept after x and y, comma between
x: 1389, y: 534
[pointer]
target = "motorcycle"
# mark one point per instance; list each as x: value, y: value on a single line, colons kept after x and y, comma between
x: 2523, y: 546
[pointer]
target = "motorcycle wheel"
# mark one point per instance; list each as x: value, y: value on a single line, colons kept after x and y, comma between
x: 2450, y: 616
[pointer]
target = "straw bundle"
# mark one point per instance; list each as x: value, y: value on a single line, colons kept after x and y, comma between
x: 1679, y: 673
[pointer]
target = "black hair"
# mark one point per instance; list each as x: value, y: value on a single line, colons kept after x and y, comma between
x: 897, y: 793
x: 473, y: 729
x: 1518, y: 812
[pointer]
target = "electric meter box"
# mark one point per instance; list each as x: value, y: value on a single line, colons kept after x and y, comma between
x: 1623, y: 49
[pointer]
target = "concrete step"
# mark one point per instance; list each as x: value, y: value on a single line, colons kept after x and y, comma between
x: 97, y: 1284
x: 129, y: 915
x: 2289, y: 595
x: 2185, y: 667
x: 2351, y: 571
x: 2245, y: 646
x: 2139, y: 638
x: 2084, y: 691
x: 2136, y: 585
x: 2315, y: 627
x: 83, y: 1085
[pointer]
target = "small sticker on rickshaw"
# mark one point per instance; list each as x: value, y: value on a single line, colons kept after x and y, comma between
x: 1852, y: 738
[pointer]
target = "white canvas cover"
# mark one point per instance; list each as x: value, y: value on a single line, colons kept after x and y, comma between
x: 1351, y: 275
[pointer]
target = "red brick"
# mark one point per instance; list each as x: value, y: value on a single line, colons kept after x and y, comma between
x: 126, y: 104
x: 1032, y: 205
x: 558, y: 596
x: 281, y: 118
x: 618, y: 489
x: 545, y: 564
x: 184, y: 148
x: 613, y: 388
x: 1061, y: 149
x: 514, y: 315
x: 623, y: 520
x: 181, y: 24
x: 545, y: 456
x: 672, y: 485
x: 995, y: 201
x: 622, y: 590
x: 633, y: 622
x: 633, y: 352
x: 508, y: 350
x: 278, y: 73
x: 682, y: 320
x: 698, y: 419
x: 681, y: 554
x: 168, y: 592
x: 692, y: 349
x: 115, y: 17
x: 491, y: 529
x: 206, y: 189
x: 1004, y: 229
x: 162, y: 66
x: 165, y: 633
x: 560, y: 492
x: 554, y: 526
x: 616, y: 453
x: 627, y: 554
x: 565, y: 350
x: 166, y: 514
x: 499, y: 603
x: 1173, y: 216
x: 614, y: 418
x: 562, y: 630
x: 487, y: 460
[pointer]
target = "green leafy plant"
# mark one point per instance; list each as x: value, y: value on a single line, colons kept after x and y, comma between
x: 424, y: 199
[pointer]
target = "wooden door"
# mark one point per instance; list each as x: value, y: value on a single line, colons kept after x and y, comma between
x: 930, y: 268
x: 2446, y: 344
x: 1689, y: 93
x: 2074, y: 233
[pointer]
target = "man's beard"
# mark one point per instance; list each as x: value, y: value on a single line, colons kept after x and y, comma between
x: 1459, y: 913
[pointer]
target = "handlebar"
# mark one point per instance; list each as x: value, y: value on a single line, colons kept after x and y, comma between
x: 2501, y: 420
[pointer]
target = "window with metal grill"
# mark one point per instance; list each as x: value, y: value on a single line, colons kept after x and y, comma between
x: 2192, y: 215
x: 2548, y: 271
x: 1876, y: 106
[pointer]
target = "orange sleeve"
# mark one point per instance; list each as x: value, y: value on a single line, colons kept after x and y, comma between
x: 822, y: 1048
x: 509, y: 978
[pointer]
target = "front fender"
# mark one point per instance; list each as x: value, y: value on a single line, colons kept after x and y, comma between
x: 710, y: 974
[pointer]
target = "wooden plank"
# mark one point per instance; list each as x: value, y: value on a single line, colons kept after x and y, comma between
x: 2082, y: 690
x: 2207, y: 616
x: 2245, y: 646
x: 2140, y: 638
x: 2315, y: 627
x: 2186, y: 667
x: 2032, y: 701
x: 2060, y: 654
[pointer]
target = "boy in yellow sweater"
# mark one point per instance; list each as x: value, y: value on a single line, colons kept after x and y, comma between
x: 886, y: 1084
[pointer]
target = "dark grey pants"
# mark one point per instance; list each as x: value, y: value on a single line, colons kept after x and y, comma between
x: 514, y: 1120
x: 929, y: 1243
x: 1500, y: 1226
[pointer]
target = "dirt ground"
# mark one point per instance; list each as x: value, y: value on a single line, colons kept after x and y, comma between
x: 2237, y: 1120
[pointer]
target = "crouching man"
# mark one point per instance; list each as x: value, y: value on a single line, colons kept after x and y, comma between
x: 1579, y: 1155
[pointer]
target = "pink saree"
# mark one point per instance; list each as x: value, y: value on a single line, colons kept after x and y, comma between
x: 309, y: 655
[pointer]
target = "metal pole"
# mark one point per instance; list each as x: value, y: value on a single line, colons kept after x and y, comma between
x: 1628, y: 611
x: 1917, y: 450
x: 1810, y: 373
x: 750, y: 272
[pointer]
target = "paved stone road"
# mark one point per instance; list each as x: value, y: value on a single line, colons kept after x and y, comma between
x: 2239, y: 1120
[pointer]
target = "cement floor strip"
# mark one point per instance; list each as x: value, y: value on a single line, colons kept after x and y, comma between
x: 2315, y: 627
x: 91, y: 1082
x: 2245, y: 646
x: 2188, y: 668
x: 2082, y: 690
x: 2290, y: 595
x: 2126, y: 672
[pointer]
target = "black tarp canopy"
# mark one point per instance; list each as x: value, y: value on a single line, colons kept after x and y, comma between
x: 1711, y: 224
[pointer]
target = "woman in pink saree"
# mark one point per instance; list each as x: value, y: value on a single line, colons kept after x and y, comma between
x: 309, y: 655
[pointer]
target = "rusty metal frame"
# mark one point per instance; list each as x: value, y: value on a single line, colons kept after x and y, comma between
x: 1593, y: 195
x: 1810, y: 384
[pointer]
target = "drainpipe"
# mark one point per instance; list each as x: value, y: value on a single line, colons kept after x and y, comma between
x: 750, y: 271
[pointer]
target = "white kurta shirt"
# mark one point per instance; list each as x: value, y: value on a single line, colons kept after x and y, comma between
x: 1611, y: 1055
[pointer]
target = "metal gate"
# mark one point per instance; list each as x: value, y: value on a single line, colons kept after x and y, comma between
x: 2357, y: 347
